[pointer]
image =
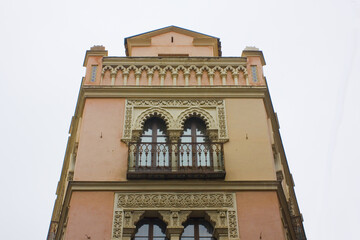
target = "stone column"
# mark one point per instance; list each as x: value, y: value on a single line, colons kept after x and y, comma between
x: 236, y: 76
x: 125, y: 76
x: 174, y: 136
x: 174, y: 76
x: 150, y: 75
x: 211, y: 78
x: 186, y: 75
x: 137, y: 77
x: 174, y: 220
x: 223, y: 77
x: 113, y: 75
x: 162, y: 78
x: 198, y: 76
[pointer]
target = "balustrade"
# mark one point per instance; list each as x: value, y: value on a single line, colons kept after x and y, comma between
x: 180, y: 160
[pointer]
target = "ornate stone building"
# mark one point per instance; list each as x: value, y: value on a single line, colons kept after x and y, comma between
x: 175, y: 141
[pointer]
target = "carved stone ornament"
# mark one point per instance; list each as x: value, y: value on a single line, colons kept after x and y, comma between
x: 175, y: 113
x: 175, y: 209
x: 149, y: 70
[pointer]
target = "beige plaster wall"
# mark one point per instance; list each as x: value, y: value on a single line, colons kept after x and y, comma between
x: 90, y: 215
x: 182, y: 44
x: 248, y: 154
x: 101, y: 155
x: 259, y: 213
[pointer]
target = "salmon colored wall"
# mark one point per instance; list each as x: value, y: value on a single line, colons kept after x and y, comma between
x: 90, y: 215
x: 93, y: 60
x: 259, y: 213
x: 255, y: 61
x: 161, y: 44
x: 101, y: 155
x: 248, y: 154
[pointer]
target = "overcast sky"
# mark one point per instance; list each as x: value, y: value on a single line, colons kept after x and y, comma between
x: 312, y: 51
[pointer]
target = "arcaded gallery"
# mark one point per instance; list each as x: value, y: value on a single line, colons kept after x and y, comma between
x: 175, y: 142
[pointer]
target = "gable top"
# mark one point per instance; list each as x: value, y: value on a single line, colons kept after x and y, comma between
x: 200, y: 39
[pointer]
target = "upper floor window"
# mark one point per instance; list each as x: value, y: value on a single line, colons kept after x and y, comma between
x: 150, y: 229
x: 194, y: 145
x: 197, y: 229
x: 153, y: 146
x: 93, y: 73
x: 254, y: 73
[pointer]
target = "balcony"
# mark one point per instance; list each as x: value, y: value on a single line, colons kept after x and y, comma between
x: 176, y: 161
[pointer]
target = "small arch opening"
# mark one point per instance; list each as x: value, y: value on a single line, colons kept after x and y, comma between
x: 150, y: 229
x: 197, y: 229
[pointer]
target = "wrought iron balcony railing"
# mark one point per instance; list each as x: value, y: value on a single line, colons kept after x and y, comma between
x: 169, y: 160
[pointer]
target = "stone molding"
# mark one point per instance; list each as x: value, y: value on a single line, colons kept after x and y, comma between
x: 175, y: 113
x: 175, y: 69
x: 175, y: 209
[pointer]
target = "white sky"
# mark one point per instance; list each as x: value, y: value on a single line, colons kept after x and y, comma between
x: 312, y: 49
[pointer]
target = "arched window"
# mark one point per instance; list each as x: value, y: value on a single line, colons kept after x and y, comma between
x: 153, y: 147
x: 194, y: 145
x: 150, y: 229
x: 197, y: 229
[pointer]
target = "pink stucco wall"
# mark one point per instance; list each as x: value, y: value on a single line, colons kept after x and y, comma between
x: 101, y: 155
x: 259, y: 215
x: 90, y: 216
x: 182, y: 44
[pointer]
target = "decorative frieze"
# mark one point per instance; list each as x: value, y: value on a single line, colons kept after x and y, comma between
x: 175, y: 103
x: 175, y: 209
x: 174, y: 200
x: 174, y: 70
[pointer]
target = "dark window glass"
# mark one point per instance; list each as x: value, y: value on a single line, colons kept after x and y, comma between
x: 153, y: 148
x: 194, y: 145
x: 197, y: 229
x: 150, y: 229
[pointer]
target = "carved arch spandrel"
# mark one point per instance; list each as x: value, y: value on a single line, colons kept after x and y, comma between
x: 195, y: 112
x: 154, y: 112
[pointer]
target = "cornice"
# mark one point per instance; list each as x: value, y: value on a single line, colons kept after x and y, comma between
x: 185, y: 61
x: 171, y: 92
x: 146, y: 186
x: 100, y: 53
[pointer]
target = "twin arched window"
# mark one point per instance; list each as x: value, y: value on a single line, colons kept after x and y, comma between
x: 154, y: 229
x: 193, y: 149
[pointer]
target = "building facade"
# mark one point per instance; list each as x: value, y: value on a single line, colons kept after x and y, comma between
x: 175, y: 141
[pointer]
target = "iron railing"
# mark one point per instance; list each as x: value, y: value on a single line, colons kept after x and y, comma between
x: 180, y: 160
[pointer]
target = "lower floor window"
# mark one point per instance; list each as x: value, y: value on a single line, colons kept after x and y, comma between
x: 197, y: 229
x: 150, y: 229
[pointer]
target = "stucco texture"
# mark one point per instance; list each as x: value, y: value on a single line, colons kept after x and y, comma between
x: 248, y: 154
x: 90, y: 215
x: 259, y: 215
x: 101, y: 154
